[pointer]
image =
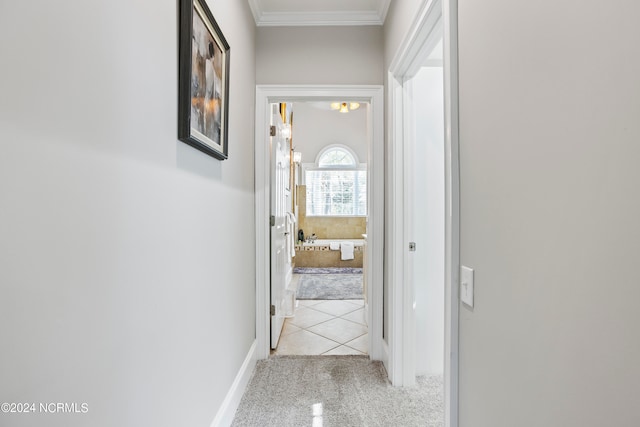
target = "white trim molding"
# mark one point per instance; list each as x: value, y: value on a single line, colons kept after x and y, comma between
x: 433, y: 17
x: 265, y: 18
x: 373, y: 96
x: 227, y: 410
x: 452, y: 210
x: 256, y: 10
x: 384, y: 9
x: 318, y: 19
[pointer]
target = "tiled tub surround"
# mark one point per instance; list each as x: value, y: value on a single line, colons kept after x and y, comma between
x: 333, y: 227
x: 328, y: 227
x: 318, y: 254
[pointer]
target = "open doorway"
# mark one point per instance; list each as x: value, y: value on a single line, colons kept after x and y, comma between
x: 319, y: 304
x: 423, y: 236
x: 425, y: 169
x: 370, y: 99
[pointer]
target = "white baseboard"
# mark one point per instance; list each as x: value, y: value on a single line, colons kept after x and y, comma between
x: 385, y: 359
x: 227, y: 410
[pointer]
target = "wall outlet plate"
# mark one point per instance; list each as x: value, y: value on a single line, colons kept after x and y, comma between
x: 466, y: 285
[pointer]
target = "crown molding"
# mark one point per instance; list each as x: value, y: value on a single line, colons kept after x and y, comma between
x: 298, y: 19
x: 383, y: 9
x: 256, y: 9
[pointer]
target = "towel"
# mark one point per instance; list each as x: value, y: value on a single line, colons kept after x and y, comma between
x: 346, y: 251
x: 334, y: 246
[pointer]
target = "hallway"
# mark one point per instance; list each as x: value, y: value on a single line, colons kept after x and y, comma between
x: 134, y: 270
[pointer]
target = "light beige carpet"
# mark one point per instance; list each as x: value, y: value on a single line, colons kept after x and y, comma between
x: 327, y: 391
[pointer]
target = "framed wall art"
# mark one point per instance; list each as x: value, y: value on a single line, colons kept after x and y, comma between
x: 203, y: 92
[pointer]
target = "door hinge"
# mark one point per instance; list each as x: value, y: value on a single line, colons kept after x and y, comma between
x: 412, y: 246
x: 273, y: 310
x: 272, y: 130
x: 272, y: 220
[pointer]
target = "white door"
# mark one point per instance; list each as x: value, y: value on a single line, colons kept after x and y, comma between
x: 423, y: 218
x: 279, y: 200
x: 427, y: 216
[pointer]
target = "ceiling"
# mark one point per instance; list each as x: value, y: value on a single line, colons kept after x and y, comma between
x: 285, y: 13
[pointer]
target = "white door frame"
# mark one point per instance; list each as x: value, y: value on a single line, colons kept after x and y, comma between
x: 267, y: 94
x: 434, y: 15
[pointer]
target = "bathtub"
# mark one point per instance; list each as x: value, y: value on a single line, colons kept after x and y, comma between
x: 325, y: 242
x: 318, y: 254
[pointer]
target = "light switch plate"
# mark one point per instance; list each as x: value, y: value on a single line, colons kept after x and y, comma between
x: 466, y: 285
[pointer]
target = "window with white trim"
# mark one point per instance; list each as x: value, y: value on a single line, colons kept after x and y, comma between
x: 336, y: 184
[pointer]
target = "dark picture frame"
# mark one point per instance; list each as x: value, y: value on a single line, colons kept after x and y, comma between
x: 203, y: 82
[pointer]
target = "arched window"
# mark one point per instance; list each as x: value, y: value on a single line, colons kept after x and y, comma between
x: 336, y: 184
x: 336, y: 156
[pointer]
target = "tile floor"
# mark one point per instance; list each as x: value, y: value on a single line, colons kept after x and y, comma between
x: 325, y: 327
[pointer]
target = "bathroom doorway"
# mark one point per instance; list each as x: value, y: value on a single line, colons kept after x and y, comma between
x: 324, y: 298
x: 371, y: 99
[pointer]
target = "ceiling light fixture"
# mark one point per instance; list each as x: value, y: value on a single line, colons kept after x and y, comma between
x: 345, y: 107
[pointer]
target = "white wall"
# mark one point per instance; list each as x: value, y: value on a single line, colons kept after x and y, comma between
x: 549, y: 209
x: 315, y: 127
x: 127, y: 265
x: 428, y: 199
x: 319, y: 55
x: 549, y: 131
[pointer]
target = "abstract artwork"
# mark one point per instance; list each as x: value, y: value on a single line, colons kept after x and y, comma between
x: 203, y: 80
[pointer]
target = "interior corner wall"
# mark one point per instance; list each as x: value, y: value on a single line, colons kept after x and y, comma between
x: 319, y: 55
x: 127, y: 258
x: 549, y: 131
